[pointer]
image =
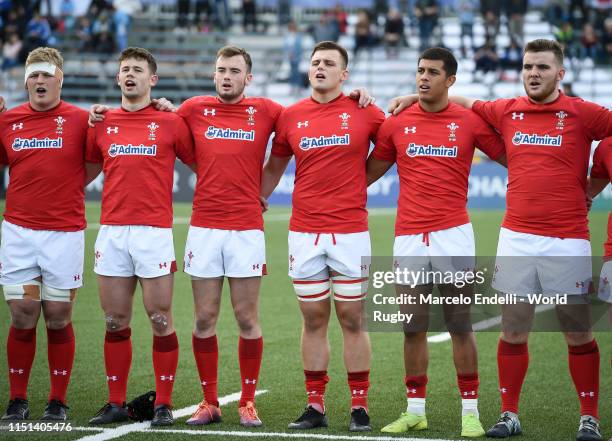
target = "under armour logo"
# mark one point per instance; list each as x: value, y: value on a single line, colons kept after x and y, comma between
x: 256, y: 266
x: 467, y: 393
x: 77, y: 277
x: 579, y: 284
x: 412, y: 391
x: 503, y: 390
x: 364, y: 267
x: 301, y: 124
x: 98, y: 254
x: 16, y: 371
x: 311, y: 393
x: 247, y: 381
x: 211, y: 112
x: 18, y: 126
x: 605, y: 280
x: 166, y: 377
x: 112, y: 378
x: 110, y: 130
x: 56, y: 372
x: 409, y: 130
x: 204, y: 383
x: 358, y: 392
x: 587, y: 394
x: 516, y: 115
x: 163, y: 265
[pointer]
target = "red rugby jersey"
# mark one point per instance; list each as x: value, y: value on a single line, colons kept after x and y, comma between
x: 434, y: 152
x: 138, y: 151
x: 548, y: 148
x: 602, y: 169
x: 230, y: 145
x: 45, y: 152
x: 330, y: 143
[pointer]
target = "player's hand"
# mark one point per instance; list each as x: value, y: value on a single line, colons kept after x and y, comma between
x: 399, y: 103
x: 363, y: 96
x: 2, y: 105
x: 96, y: 114
x: 589, y: 202
x: 164, y: 105
x: 264, y: 204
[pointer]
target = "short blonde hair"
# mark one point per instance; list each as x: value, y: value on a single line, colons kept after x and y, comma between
x: 45, y: 55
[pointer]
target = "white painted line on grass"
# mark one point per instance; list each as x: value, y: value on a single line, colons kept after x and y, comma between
x: 119, y: 431
x: 483, y: 325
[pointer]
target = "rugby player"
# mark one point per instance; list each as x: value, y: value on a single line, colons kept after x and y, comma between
x: 41, y: 254
x: 136, y: 146
x: 547, y: 136
x: 601, y: 175
x: 433, y: 144
x: 330, y: 138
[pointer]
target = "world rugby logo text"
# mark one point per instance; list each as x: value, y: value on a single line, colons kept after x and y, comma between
x: 429, y: 150
x: 35, y: 143
x: 324, y: 141
x: 521, y: 138
x: 132, y: 150
x: 216, y: 133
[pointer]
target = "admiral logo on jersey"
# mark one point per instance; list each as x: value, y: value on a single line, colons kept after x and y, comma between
x: 521, y: 138
x: 216, y: 133
x: 307, y: 143
x: 429, y: 150
x: 132, y: 150
x: 36, y: 143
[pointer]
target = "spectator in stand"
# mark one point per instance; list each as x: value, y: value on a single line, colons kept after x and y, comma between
x: 102, y: 40
x: 182, y: 13
x: 341, y: 18
x: 222, y: 14
x: 555, y: 12
x: 578, y: 13
x: 426, y: 12
x: 364, y: 35
x: 606, y: 41
x: 249, y: 16
x: 10, y: 56
x: 490, y: 10
x: 203, y: 12
x: 67, y: 15
x: 38, y: 32
x: 515, y: 13
x: 565, y: 36
x: 589, y: 45
x: 293, y: 49
x: 486, y: 58
x: 467, y: 16
x: 512, y: 59
x: 327, y: 29
x: 122, y: 19
x: 84, y: 34
x: 394, y: 33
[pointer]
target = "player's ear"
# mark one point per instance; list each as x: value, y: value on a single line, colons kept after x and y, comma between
x: 117, y: 79
x: 248, y: 79
x: 153, y: 80
x: 450, y: 80
x: 344, y: 75
x: 561, y: 74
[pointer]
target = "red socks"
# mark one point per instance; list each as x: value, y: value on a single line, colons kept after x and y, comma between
x: 250, y: 352
x: 206, y: 353
x: 315, y: 388
x: 165, y: 361
x: 117, y: 361
x: 416, y: 386
x: 512, y: 363
x: 468, y: 386
x: 584, y: 369
x: 20, y: 351
x: 359, y: 383
x: 60, y: 353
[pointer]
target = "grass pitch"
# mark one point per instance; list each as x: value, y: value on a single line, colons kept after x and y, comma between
x: 549, y: 407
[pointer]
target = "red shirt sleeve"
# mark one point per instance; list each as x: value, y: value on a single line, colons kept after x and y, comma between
x: 280, y: 145
x: 92, y: 151
x: 491, y: 111
x: 597, y: 120
x: 602, y: 160
x: 384, y: 150
x: 185, y: 109
x: 377, y: 118
x: 184, y: 145
x: 487, y: 139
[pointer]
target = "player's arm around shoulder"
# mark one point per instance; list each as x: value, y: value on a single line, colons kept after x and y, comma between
x: 597, y: 119
x: 487, y: 139
x: 384, y: 153
x: 183, y: 142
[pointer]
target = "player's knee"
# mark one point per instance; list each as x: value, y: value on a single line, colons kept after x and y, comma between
x: 160, y: 321
x: 205, y: 322
x: 316, y: 322
x: 115, y: 322
x: 515, y: 337
x: 247, y: 322
x: 24, y: 319
x: 578, y: 338
x: 353, y: 323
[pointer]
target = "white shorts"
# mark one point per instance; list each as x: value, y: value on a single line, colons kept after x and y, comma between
x: 210, y: 252
x: 311, y: 253
x: 26, y: 254
x: 605, y: 282
x: 532, y: 264
x: 444, y: 251
x: 134, y: 250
